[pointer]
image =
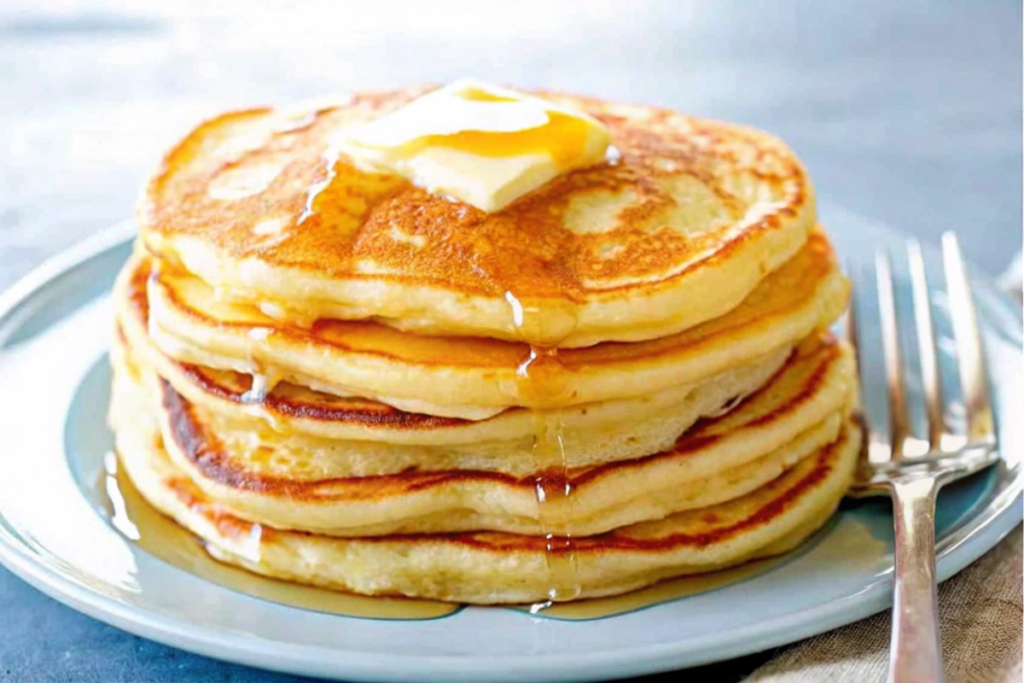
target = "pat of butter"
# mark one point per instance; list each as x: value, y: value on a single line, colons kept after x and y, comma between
x: 484, y: 145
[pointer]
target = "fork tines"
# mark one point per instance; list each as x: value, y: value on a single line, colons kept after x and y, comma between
x: 900, y: 443
x: 970, y: 355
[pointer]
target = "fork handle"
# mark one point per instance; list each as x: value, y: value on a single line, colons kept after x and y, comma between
x: 914, y: 653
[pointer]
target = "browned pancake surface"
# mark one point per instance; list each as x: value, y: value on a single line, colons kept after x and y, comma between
x: 676, y: 183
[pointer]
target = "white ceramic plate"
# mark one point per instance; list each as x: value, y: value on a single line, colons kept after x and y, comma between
x: 55, y: 533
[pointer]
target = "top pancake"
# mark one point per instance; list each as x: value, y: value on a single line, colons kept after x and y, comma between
x: 476, y: 378
x: 675, y: 231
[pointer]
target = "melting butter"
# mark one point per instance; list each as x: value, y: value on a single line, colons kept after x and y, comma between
x: 481, y: 144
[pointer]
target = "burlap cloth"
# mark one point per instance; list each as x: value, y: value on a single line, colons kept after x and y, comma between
x: 980, y: 612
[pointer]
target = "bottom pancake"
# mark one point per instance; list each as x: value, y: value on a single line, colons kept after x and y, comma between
x: 496, y: 567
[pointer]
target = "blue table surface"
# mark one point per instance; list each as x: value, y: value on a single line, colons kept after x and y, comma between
x: 907, y: 113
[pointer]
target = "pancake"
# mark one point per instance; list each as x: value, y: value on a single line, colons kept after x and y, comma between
x: 476, y: 378
x: 375, y: 434
x: 494, y: 567
x: 676, y: 228
x: 592, y: 433
x: 343, y: 488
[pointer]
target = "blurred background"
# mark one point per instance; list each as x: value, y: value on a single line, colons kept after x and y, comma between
x: 907, y: 112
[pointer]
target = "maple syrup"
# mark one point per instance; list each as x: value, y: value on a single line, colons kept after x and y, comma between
x: 262, y: 384
x: 135, y: 519
x: 341, y: 195
x: 659, y: 593
x: 542, y: 383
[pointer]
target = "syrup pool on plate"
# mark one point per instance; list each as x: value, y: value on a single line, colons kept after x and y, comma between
x: 138, y: 521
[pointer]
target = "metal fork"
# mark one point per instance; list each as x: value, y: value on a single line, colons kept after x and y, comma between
x: 911, y: 468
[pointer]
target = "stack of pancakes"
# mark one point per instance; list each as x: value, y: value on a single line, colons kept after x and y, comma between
x: 341, y: 379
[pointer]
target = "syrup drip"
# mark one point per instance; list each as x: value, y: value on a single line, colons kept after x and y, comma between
x: 262, y: 384
x: 344, y: 194
x: 727, y: 407
x: 541, y: 383
x: 539, y: 376
x: 259, y: 411
x: 310, y: 209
